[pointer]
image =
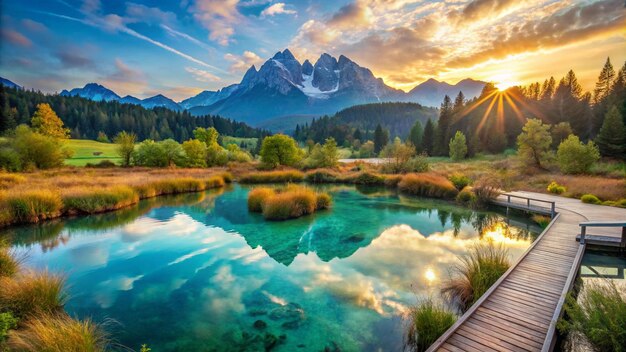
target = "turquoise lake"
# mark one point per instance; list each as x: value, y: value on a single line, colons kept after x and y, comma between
x: 198, y: 272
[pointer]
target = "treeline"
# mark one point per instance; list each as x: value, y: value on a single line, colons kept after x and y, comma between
x: 493, y: 120
x: 88, y: 119
x: 396, y: 118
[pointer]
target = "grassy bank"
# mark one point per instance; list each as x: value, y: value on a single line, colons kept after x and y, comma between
x: 46, y: 195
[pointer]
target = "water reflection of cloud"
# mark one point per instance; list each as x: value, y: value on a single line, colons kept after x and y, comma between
x: 108, y: 290
x: 180, y: 224
x: 89, y: 255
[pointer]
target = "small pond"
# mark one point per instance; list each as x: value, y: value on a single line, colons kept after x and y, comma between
x: 197, y: 272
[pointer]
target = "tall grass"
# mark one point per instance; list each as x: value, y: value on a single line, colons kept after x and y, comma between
x: 599, y: 314
x: 486, y: 188
x: 8, y: 180
x: 427, y: 321
x: 279, y: 176
x: 90, y: 201
x: 287, y: 203
x: 32, y: 293
x: 33, y: 205
x: 9, y: 263
x: 59, y: 333
x: 428, y: 185
x: 475, y: 273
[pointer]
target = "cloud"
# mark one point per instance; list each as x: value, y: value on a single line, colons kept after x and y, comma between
x: 202, y: 75
x: 91, y: 6
x: 34, y: 26
x: 277, y: 9
x: 74, y: 57
x: 15, y: 37
x: 125, y: 79
x: 241, y: 63
x: 218, y: 16
x: 152, y: 15
x: 353, y: 14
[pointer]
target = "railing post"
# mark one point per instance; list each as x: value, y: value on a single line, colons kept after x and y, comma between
x: 583, y: 231
x: 552, y: 210
x: 508, y: 198
x: 528, y: 202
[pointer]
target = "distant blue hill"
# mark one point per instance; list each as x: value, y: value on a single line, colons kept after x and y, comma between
x: 7, y: 83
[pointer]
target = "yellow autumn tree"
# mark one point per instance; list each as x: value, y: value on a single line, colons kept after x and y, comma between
x: 46, y: 122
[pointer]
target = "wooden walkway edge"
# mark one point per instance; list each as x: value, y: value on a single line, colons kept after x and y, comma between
x: 520, y: 311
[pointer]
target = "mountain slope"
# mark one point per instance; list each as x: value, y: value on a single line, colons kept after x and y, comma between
x: 432, y: 92
x: 97, y: 92
x: 7, y: 83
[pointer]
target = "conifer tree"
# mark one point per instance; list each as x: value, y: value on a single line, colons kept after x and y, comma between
x: 416, y: 135
x: 380, y: 139
x: 428, y: 137
x: 605, y: 81
x: 46, y: 122
x: 443, y: 127
x: 612, y: 136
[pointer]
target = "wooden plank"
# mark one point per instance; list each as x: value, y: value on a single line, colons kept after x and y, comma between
x: 513, y: 338
x: 506, y: 316
x: 520, y: 311
x: 524, y: 297
x: 467, y: 344
x: 513, y: 327
x: 487, y: 339
x: 523, y: 305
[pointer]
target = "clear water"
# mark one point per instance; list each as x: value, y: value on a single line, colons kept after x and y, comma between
x: 195, y: 272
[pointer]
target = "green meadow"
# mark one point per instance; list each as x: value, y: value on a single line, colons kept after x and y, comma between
x: 87, y: 151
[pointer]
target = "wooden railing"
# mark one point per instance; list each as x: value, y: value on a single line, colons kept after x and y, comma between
x: 528, y: 200
x: 584, y: 225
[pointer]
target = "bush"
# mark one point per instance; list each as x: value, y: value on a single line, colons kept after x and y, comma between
x: 32, y: 206
x: 280, y: 149
x: 466, y: 197
x: 428, y: 185
x: 99, y: 200
x: 149, y: 153
x: 458, y: 146
x: 486, y: 189
x: 273, y: 177
x: 427, y: 322
x: 459, y: 180
x: 477, y: 271
x: 10, y: 160
x: 398, y: 155
x: 32, y: 293
x: 575, y: 157
x: 257, y: 196
x: 555, y: 188
x: 590, y: 199
x: 195, y: 153
x: 43, y: 152
x: 58, y: 333
x: 600, y: 314
x: 104, y: 164
x: 7, y: 322
x: 621, y: 203
x: 321, y: 176
x: 418, y: 163
x: 367, y: 178
x: 323, y: 156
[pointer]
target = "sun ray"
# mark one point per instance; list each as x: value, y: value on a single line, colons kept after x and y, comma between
x: 486, y: 115
x: 516, y: 110
x: 473, y: 106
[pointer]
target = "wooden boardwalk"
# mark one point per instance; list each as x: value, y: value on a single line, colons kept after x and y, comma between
x: 519, y: 312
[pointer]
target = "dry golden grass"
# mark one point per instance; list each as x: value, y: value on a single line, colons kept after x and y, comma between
x: 427, y: 185
x: 289, y: 202
x: 32, y: 292
x: 58, y: 333
x: 278, y: 176
x: 257, y: 196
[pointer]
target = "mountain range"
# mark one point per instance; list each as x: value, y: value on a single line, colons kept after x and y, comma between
x: 284, y: 87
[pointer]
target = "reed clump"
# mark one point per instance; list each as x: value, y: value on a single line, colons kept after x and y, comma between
x: 287, y: 203
x: 278, y: 176
x: 426, y: 322
x: 427, y: 185
x: 58, y: 333
x: 475, y: 273
x: 32, y: 205
x: 9, y: 264
x: 32, y: 292
x: 91, y: 201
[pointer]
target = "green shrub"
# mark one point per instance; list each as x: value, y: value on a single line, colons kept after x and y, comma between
x: 280, y: 149
x: 575, y: 157
x: 367, y: 178
x: 99, y: 200
x: 321, y: 176
x: 427, y: 185
x: 59, y: 333
x: 477, y: 271
x: 466, y: 197
x: 34, y: 205
x: 600, y: 314
x: 621, y: 203
x: 7, y: 322
x: 32, y: 293
x: 590, y: 199
x: 323, y: 155
x: 458, y: 146
x: 427, y: 322
x: 104, y: 164
x: 610, y: 203
x: 273, y: 177
x: 195, y: 153
x: 10, y: 160
x: 459, y: 180
x: 34, y: 148
x: 418, y: 163
x: 555, y: 188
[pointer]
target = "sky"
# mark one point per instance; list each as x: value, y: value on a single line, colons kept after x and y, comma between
x: 181, y: 47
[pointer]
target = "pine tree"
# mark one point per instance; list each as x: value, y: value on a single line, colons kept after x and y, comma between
x: 612, y: 136
x: 459, y: 102
x: 415, y: 136
x: 46, y: 122
x: 443, y: 127
x: 428, y: 138
x: 380, y: 139
x: 605, y: 80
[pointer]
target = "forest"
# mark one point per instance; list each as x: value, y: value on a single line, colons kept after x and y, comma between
x: 86, y: 119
